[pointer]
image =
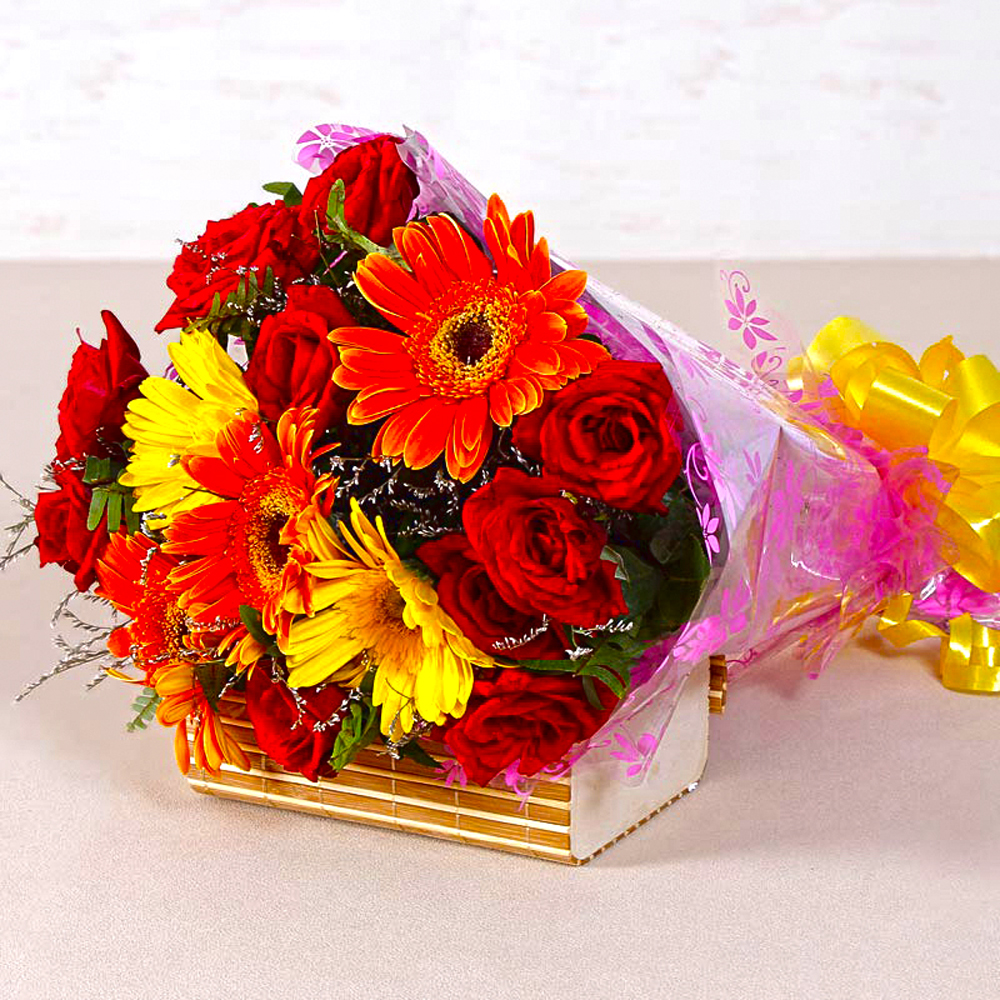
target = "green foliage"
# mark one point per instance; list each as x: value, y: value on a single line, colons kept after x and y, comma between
x: 108, y: 497
x: 356, y: 731
x: 287, y: 191
x: 340, y: 232
x: 243, y: 309
x: 415, y: 752
x: 675, y: 601
x: 214, y: 677
x: 251, y: 619
x: 144, y: 706
x: 610, y: 661
x: 639, y: 580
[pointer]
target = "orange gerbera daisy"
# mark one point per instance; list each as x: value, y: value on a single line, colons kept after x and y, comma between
x: 183, y: 698
x: 249, y: 547
x: 132, y: 576
x: 483, y: 342
x: 164, y: 644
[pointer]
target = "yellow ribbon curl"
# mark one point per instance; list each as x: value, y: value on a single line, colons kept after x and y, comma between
x: 950, y: 405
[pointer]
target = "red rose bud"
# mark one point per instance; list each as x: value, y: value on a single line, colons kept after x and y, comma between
x: 102, y: 381
x: 293, y: 360
x: 613, y: 435
x: 542, y: 554
x: 378, y: 190
x: 63, y: 538
x: 259, y: 237
x: 466, y: 592
x: 526, y: 717
x: 286, y: 729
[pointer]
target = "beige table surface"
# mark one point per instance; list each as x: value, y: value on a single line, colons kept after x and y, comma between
x: 845, y: 842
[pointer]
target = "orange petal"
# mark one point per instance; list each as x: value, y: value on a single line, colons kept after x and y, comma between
x: 594, y: 352
x: 181, y: 752
x: 548, y: 328
x: 470, y: 423
x: 391, y: 438
x: 367, y: 362
x: 460, y: 253
x: 381, y: 403
x: 501, y: 409
x: 382, y: 280
x: 522, y: 232
x: 539, y: 266
x: 369, y: 339
x: 428, y: 434
x: 538, y: 358
x: 518, y: 400
x: 567, y: 285
x: 471, y: 466
x: 497, y: 210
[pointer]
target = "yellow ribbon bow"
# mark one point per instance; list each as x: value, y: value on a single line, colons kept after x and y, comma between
x: 949, y: 405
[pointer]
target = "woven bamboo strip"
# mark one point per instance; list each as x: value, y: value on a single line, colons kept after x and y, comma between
x: 718, y: 684
x: 376, y: 790
x: 397, y: 794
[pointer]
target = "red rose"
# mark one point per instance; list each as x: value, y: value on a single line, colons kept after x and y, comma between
x: 466, y: 592
x: 613, y: 434
x: 526, y: 717
x: 63, y: 538
x: 101, y: 383
x: 293, y: 359
x: 290, y: 731
x: 542, y: 554
x: 378, y: 189
x: 259, y: 237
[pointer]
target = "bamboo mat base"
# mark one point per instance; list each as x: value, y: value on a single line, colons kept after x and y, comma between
x: 398, y: 794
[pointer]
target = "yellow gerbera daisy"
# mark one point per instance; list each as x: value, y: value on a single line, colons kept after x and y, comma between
x: 169, y: 423
x: 379, y: 614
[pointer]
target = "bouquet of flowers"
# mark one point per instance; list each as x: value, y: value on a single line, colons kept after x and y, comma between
x: 392, y: 488
x: 412, y: 481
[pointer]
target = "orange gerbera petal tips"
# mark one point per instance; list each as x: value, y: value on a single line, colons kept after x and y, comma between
x: 480, y: 342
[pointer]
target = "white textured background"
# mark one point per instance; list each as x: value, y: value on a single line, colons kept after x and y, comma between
x: 637, y: 128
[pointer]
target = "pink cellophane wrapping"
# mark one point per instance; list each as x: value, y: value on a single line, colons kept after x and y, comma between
x: 799, y: 523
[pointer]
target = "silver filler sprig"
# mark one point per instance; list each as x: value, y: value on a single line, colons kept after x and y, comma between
x: 15, y: 532
x: 90, y: 650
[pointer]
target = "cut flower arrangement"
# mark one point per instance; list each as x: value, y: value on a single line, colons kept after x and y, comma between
x: 392, y: 489
x: 414, y: 489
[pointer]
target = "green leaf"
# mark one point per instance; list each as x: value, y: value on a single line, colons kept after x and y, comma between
x: 97, y: 470
x: 133, y: 520
x: 251, y: 618
x: 608, y: 554
x: 341, y: 233
x: 552, y: 666
x: 610, y: 662
x: 677, y: 598
x: 98, y: 500
x: 640, y: 584
x: 356, y: 731
x: 213, y: 678
x: 114, y: 511
x: 144, y: 706
x: 288, y: 192
x: 591, y: 692
x: 415, y: 752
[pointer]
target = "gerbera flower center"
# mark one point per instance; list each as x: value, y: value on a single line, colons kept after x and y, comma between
x: 389, y: 606
x: 472, y: 338
x: 465, y: 340
x: 160, y: 626
x: 269, y: 502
